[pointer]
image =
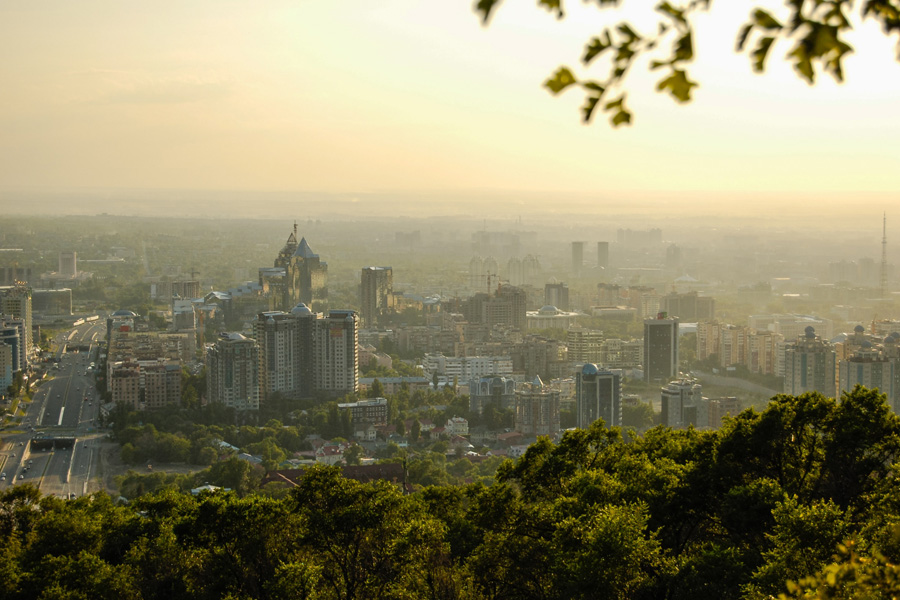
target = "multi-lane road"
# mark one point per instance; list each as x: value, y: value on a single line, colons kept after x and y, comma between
x: 64, y: 407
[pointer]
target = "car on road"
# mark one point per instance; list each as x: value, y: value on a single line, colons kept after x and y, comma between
x: 21, y: 476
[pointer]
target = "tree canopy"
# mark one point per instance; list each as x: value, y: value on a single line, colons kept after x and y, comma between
x: 815, y: 30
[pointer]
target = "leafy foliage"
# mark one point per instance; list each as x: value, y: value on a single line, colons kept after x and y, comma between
x: 815, y: 28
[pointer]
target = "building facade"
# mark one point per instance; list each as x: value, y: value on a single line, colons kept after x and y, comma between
x: 376, y: 294
x: 598, y: 395
x: 809, y: 365
x: 537, y: 409
x: 232, y: 372
x: 660, y: 349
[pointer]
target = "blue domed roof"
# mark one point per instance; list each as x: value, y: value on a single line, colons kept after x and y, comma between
x: 866, y: 344
x: 895, y: 335
x: 124, y: 313
x: 890, y: 340
x: 810, y: 331
x: 859, y: 329
x: 548, y: 309
x: 589, y: 369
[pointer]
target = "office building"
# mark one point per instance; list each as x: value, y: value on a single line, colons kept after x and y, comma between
x: 598, y: 395
x: 660, y: 349
x: 603, y: 255
x: 376, y: 293
x: 232, y: 372
x: 688, y: 307
x: 809, y: 365
x: 537, y: 409
x: 68, y: 264
x: 556, y: 294
x: 577, y: 257
x: 680, y: 401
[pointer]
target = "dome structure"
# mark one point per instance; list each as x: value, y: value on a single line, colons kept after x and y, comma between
x: 859, y: 329
x: 124, y: 313
x: 810, y: 331
x: 301, y: 309
x: 589, y: 369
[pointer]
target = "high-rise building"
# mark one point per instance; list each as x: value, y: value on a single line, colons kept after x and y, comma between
x: 577, y: 257
x: 660, y: 349
x: 6, y: 367
x: 870, y: 368
x: 376, y: 294
x: 232, y: 372
x: 557, y: 294
x: 68, y: 264
x: 336, y: 340
x: 298, y: 275
x: 15, y: 301
x: 603, y: 255
x: 12, y: 336
x: 689, y: 306
x: 679, y: 403
x: 162, y: 385
x: 809, y: 365
x: 125, y: 384
x: 598, y: 395
x: 285, y: 353
x: 537, y: 409
x: 584, y: 345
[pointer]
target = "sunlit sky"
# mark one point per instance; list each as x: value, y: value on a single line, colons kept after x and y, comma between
x: 345, y: 96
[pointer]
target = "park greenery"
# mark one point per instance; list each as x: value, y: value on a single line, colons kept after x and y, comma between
x: 796, y: 501
x: 814, y: 29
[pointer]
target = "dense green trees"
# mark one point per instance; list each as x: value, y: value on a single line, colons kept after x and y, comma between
x: 802, y: 492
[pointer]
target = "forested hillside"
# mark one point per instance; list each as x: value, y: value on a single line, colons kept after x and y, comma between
x: 804, y: 491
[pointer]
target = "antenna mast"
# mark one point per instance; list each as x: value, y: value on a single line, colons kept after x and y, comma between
x: 884, y: 258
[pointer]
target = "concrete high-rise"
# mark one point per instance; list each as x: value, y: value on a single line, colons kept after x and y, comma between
x: 598, y: 395
x: 557, y: 294
x: 577, y: 257
x: 809, y: 365
x: 15, y: 301
x: 680, y: 401
x: 285, y: 353
x: 336, y: 339
x: 68, y: 264
x: 537, y: 409
x: 870, y: 368
x: 603, y: 255
x: 660, y: 349
x: 232, y: 372
x: 375, y: 294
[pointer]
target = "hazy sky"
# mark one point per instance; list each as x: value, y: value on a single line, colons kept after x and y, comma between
x: 346, y: 96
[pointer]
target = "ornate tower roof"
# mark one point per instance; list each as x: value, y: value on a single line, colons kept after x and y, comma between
x: 304, y: 251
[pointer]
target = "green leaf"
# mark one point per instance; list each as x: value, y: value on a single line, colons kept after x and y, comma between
x: 588, y: 108
x: 675, y: 14
x: 623, y: 117
x: 626, y: 30
x: 617, y: 103
x: 560, y: 80
x: 655, y: 64
x: 742, y: 36
x: 759, y: 55
x: 765, y: 20
x: 803, y: 64
x: 593, y: 85
x: 684, y: 47
x: 678, y: 84
x: 553, y: 5
x: 485, y: 8
x: 596, y: 47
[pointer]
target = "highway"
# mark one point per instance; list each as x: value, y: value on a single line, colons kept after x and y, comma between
x: 67, y: 406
